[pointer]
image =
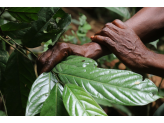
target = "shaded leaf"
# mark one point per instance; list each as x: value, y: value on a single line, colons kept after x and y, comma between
x: 80, y: 103
x: 53, y: 106
x: 65, y: 20
x: 114, y: 86
x: 160, y: 111
x: 19, y: 75
x: 123, y: 109
x: 39, y: 92
x: 2, y: 113
x: 15, y: 30
x: 24, y: 14
x: 3, y: 60
x: 122, y: 11
x: 35, y: 35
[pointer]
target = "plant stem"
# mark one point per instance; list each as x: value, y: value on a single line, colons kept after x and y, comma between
x: 23, y: 47
x: 4, y: 104
x: 3, y: 11
x: 14, y: 47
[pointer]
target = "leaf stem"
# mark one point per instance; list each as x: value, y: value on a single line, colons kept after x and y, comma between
x: 2, y: 11
x: 57, y: 78
x: 14, y: 47
x: 4, y: 103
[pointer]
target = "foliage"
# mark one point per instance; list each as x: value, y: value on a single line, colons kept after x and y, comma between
x: 75, y: 86
x: 81, y: 32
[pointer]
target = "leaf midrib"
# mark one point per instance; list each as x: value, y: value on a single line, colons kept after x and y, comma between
x: 77, y: 100
x: 102, y: 83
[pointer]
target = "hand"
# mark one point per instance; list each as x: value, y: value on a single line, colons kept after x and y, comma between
x: 124, y: 43
x: 51, y: 57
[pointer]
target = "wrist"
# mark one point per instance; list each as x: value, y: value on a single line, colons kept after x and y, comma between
x: 94, y: 50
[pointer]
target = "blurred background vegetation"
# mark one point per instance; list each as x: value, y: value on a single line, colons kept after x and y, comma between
x: 85, y: 23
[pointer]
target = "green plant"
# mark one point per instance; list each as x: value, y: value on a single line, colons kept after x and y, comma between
x: 75, y: 86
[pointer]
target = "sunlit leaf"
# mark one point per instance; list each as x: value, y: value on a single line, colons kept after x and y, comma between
x: 53, y: 106
x: 80, y: 103
x: 114, y: 86
x: 39, y: 92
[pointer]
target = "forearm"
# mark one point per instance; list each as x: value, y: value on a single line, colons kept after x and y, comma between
x: 153, y: 64
x: 148, y: 23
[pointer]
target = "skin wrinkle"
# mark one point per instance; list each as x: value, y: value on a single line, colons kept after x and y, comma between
x: 121, y: 38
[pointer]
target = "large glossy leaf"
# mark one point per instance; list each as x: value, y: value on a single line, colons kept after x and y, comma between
x: 122, y: 11
x: 39, y: 92
x: 24, y: 14
x: 15, y: 30
x: 35, y: 36
x: 76, y: 61
x: 79, y: 103
x: 160, y: 111
x: 2, y: 113
x: 109, y: 85
x: 19, y: 75
x: 54, y: 106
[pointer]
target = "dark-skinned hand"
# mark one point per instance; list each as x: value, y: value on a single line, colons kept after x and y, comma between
x: 124, y: 43
x: 60, y: 50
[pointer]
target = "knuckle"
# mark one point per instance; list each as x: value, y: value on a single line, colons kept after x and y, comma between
x: 116, y: 21
x: 62, y: 45
x: 105, y: 30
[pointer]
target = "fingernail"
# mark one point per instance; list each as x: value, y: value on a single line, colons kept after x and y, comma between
x: 92, y: 36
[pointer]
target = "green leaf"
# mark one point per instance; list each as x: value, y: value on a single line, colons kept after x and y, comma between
x: 123, y: 109
x: 19, y: 75
x: 35, y: 35
x: 160, y: 111
x: 46, y: 44
x: 2, y: 113
x: 39, y: 92
x: 15, y: 30
x: 114, y: 86
x: 154, y: 43
x: 3, y: 60
x: 76, y: 61
x: 24, y: 14
x: 80, y: 103
x: 53, y: 106
x: 65, y: 20
x: 122, y: 11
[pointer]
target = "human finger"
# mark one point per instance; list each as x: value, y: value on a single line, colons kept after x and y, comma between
x: 103, y: 40
x: 119, y: 24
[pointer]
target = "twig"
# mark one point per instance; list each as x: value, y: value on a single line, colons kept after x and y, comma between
x: 4, y: 104
x: 2, y: 11
x: 23, y: 47
x: 14, y: 47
